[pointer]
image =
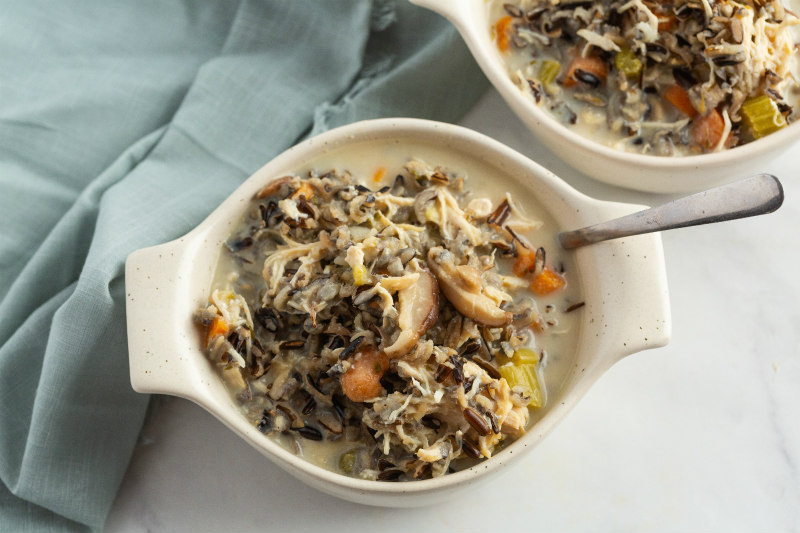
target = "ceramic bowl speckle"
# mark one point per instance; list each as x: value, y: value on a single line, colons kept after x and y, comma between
x: 623, y: 283
x: 634, y: 171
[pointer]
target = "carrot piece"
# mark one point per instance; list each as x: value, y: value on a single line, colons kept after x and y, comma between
x: 305, y: 189
x: 707, y: 130
x: 666, y: 21
x: 362, y: 380
x: 218, y: 327
x: 677, y: 96
x: 525, y: 261
x: 379, y: 174
x: 588, y: 65
x: 547, y: 281
x: 501, y: 29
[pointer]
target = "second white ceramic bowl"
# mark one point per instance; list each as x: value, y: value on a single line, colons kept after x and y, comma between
x: 635, y: 171
x: 623, y: 283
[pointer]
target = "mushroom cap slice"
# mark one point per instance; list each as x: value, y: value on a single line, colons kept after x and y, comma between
x: 458, y: 283
x: 418, y: 310
x: 273, y: 187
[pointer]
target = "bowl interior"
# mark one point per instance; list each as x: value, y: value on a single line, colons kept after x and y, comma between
x: 623, y: 284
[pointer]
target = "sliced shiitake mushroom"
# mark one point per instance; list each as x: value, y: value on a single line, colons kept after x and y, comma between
x: 273, y: 187
x: 418, y: 310
x: 463, y: 287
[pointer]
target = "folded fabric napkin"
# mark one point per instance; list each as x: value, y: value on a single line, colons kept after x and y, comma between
x: 122, y: 125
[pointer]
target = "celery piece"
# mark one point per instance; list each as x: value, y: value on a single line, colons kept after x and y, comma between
x: 548, y: 70
x: 347, y: 461
x: 525, y: 377
x: 626, y: 62
x: 524, y: 356
x: 761, y: 116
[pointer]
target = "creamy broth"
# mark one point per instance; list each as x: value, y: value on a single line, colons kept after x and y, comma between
x: 375, y: 164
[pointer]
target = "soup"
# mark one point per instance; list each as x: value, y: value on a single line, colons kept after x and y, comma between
x: 391, y: 312
x: 662, y: 78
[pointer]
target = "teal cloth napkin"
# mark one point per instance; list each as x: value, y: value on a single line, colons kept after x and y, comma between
x: 122, y: 125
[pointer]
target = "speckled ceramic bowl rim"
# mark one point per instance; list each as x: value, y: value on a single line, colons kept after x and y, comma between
x: 165, y: 354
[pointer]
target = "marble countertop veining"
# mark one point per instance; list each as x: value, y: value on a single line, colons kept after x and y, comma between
x: 702, y: 435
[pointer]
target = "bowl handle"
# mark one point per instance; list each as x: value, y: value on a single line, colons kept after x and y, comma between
x: 160, y: 354
x: 634, y: 294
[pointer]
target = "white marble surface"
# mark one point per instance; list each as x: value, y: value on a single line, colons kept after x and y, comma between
x: 701, y: 435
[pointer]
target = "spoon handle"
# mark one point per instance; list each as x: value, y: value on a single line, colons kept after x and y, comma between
x: 752, y: 196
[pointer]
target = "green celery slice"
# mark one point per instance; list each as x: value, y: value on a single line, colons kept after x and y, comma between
x: 626, y: 62
x: 524, y: 376
x: 548, y: 71
x: 761, y: 116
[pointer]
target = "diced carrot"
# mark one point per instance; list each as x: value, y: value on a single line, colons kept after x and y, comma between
x: 547, y: 281
x: 501, y: 29
x: 379, y: 174
x: 218, y: 327
x: 591, y: 65
x: 707, y: 129
x: 525, y: 261
x: 362, y: 380
x: 677, y: 96
x: 305, y: 189
x: 666, y: 21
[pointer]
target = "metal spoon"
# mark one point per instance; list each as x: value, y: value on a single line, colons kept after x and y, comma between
x: 749, y: 197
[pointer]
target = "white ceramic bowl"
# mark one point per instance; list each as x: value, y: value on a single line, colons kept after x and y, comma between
x: 623, y: 283
x: 634, y: 171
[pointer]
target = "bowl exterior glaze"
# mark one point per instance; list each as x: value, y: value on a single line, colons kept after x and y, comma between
x: 624, y: 169
x: 623, y: 283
